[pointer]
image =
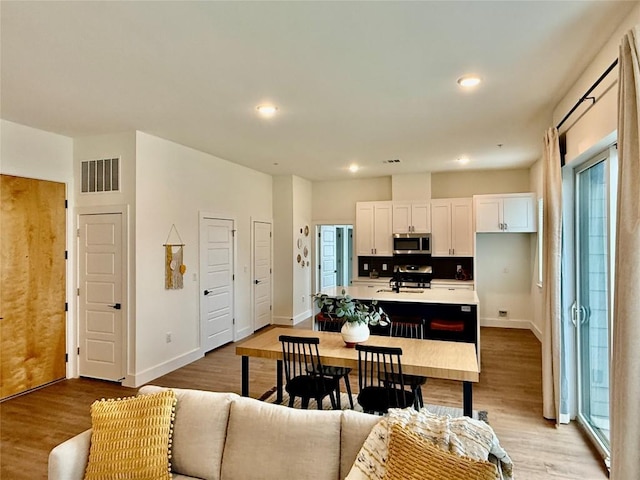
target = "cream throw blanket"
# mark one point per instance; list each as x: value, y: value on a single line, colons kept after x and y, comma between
x: 463, y: 436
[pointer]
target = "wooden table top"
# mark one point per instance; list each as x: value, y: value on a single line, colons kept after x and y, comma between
x: 428, y: 358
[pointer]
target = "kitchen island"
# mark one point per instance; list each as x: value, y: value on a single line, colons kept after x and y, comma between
x: 447, y: 314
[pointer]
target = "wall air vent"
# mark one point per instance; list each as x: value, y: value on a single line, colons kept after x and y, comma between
x: 101, y: 175
x: 394, y: 160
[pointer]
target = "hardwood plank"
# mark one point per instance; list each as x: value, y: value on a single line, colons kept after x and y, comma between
x: 509, y: 389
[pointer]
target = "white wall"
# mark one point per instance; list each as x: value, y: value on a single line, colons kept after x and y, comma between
x: 28, y: 152
x: 590, y: 124
x: 479, y: 182
x: 411, y: 187
x: 503, y: 278
x: 291, y: 214
x: 334, y: 202
x: 283, y: 249
x: 301, y: 295
x: 173, y: 184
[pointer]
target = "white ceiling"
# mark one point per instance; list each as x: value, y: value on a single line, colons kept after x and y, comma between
x: 356, y: 82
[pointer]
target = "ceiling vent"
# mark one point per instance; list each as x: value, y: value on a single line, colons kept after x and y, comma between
x: 101, y: 175
x: 394, y: 160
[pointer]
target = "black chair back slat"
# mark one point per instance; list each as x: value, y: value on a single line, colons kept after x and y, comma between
x: 380, y: 379
x: 303, y: 367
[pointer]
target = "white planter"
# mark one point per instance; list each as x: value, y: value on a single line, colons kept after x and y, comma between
x: 354, y: 332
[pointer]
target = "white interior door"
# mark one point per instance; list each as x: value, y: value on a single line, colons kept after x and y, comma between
x: 328, y: 257
x: 216, y: 282
x: 101, y: 309
x: 262, y: 274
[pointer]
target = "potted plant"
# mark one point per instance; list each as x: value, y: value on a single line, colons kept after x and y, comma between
x: 355, y: 315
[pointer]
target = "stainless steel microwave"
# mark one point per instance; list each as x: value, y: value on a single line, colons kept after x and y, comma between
x: 411, y: 243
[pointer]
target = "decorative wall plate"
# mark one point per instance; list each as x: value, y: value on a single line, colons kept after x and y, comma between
x: 306, y: 252
x: 306, y: 230
x: 299, y: 243
x: 299, y: 258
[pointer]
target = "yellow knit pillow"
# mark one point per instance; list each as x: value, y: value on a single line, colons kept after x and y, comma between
x: 131, y: 438
x: 413, y: 458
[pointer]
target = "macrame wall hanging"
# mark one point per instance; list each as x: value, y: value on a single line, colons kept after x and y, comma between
x: 173, y: 267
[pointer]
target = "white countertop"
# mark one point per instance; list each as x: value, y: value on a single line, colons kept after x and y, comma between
x: 427, y: 295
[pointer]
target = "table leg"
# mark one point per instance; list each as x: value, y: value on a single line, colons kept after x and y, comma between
x: 467, y: 399
x: 245, y: 376
x: 279, y: 381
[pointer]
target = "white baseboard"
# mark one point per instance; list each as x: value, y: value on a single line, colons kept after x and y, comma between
x: 538, y: 333
x: 512, y: 323
x: 302, y: 317
x: 282, y: 320
x: 505, y: 323
x: 139, y: 379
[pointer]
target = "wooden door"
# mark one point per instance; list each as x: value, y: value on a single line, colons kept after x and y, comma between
x: 101, y: 302
x: 32, y: 284
x: 216, y: 277
x: 262, y: 274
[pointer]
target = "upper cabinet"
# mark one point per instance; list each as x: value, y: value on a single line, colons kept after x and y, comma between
x: 452, y: 227
x: 410, y: 217
x: 514, y: 212
x: 373, y: 229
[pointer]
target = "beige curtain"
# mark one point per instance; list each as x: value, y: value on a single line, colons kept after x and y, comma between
x: 625, y: 388
x: 552, y: 255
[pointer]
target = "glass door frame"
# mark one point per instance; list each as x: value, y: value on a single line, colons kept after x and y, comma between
x: 610, y: 158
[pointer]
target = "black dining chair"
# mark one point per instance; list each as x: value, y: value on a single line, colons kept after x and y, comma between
x: 380, y: 379
x: 301, y: 359
x: 324, y: 323
x: 411, y: 328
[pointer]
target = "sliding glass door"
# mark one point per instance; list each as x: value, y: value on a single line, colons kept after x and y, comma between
x: 591, y: 313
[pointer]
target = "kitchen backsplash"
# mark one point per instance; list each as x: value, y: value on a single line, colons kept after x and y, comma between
x: 443, y: 267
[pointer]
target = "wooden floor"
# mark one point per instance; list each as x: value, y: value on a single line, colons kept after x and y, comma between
x: 509, y: 389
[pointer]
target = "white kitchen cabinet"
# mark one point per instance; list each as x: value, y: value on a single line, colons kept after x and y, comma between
x: 505, y: 213
x: 411, y: 217
x: 373, y: 229
x: 452, y: 227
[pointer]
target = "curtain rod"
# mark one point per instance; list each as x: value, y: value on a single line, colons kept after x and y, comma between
x: 586, y: 95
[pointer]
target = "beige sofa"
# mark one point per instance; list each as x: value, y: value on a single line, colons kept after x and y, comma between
x: 228, y: 437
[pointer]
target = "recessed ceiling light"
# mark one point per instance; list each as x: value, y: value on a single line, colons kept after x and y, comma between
x: 353, y: 168
x: 469, y: 81
x: 267, y: 110
x: 463, y: 160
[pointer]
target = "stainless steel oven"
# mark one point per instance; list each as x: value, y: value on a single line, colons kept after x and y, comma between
x: 411, y: 243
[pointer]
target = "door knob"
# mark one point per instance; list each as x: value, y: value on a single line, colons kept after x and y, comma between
x: 117, y: 306
x: 207, y: 292
x: 257, y: 282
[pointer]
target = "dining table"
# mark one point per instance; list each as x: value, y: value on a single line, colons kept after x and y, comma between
x: 446, y: 360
